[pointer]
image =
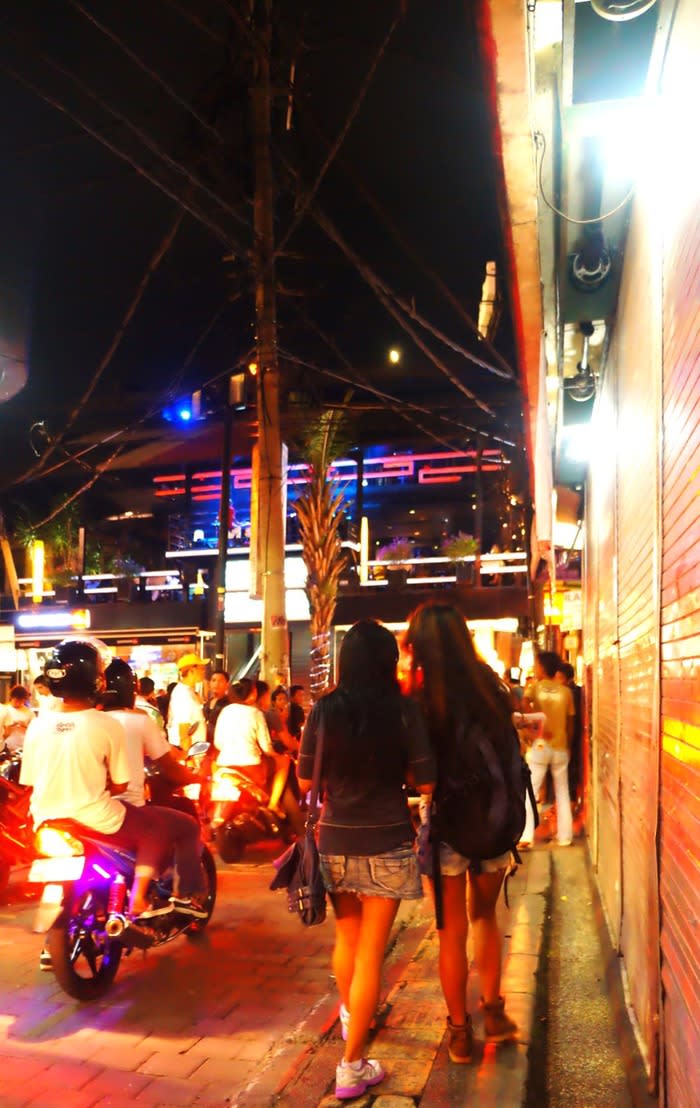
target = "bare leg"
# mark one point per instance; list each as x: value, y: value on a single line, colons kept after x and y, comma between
x: 279, y: 780
x: 377, y: 916
x: 453, y: 947
x: 483, y: 895
x: 138, y: 902
x: 348, y: 916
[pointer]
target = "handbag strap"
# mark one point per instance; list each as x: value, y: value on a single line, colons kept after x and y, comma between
x: 312, y: 817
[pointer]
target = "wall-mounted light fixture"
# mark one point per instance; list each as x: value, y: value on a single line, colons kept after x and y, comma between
x: 581, y: 386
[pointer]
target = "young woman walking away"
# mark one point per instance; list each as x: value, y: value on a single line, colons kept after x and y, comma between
x: 453, y: 685
x: 373, y: 740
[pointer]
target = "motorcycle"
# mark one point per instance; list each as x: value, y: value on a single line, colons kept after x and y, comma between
x: 239, y: 814
x: 82, y: 911
x: 186, y: 798
x: 16, y: 834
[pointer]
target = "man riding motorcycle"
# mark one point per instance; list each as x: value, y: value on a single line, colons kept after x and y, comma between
x: 242, y: 740
x: 76, y: 761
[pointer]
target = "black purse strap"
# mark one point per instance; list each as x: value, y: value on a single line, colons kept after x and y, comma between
x: 313, y: 814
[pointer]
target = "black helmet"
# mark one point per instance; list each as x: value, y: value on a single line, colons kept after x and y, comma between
x: 121, y: 683
x: 75, y: 669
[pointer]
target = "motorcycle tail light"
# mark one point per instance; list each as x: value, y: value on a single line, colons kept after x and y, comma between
x: 51, y: 842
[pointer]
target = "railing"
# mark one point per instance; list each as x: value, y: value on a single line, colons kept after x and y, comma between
x: 171, y: 583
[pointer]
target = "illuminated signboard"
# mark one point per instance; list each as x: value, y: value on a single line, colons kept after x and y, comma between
x: 238, y: 606
x: 75, y: 620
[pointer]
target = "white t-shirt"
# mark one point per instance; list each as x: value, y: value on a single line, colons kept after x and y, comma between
x: 48, y: 703
x: 185, y: 707
x: 144, y: 739
x: 13, y: 725
x: 241, y: 736
x: 152, y: 711
x: 66, y: 759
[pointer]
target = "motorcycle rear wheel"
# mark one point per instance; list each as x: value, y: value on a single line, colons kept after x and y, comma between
x: 230, y: 844
x: 84, y: 960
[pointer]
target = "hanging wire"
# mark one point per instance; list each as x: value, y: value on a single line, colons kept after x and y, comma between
x: 133, y: 57
x: 541, y: 143
x: 185, y: 204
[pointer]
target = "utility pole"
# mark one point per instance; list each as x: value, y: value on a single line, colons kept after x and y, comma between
x: 274, y: 653
x: 222, y: 556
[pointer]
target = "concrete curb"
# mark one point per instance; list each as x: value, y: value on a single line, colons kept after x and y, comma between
x: 410, y: 1034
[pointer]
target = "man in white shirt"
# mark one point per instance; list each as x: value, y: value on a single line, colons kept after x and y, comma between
x: 45, y: 700
x: 179, y: 831
x: 146, y: 701
x: 76, y: 762
x: 15, y: 717
x: 186, y: 723
x: 243, y: 740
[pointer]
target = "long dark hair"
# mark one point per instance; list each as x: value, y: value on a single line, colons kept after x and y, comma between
x: 456, y: 685
x: 363, y: 724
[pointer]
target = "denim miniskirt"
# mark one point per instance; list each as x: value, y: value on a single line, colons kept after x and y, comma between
x: 393, y: 874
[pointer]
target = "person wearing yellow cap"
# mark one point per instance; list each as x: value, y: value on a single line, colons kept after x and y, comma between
x: 186, y: 724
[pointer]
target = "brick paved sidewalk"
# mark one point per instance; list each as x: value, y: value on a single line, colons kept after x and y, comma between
x: 409, y: 1042
x: 247, y: 1018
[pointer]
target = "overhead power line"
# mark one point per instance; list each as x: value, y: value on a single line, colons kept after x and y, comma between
x: 151, y: 73
x: 147, y: 140
x: 185, y: 204
x: 195, y: 21
x: 397, y: 405
x: 501, y: 367
x: 308, y: 198
x: 151, y: 268
x: 379, y: 289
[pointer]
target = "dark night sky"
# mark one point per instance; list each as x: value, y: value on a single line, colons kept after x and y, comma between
x: 78, y: 225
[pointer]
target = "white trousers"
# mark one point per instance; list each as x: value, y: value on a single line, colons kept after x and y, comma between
x: 540, y: 758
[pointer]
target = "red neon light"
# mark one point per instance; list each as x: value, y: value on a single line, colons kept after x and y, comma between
x: 208, y: 496
x: 388, y: 466
x: 171, y: 492
x: 444, y: 476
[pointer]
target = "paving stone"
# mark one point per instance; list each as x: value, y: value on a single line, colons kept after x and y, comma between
x: 168, y: 1091
x: 118, y: 1083
x: 391, y: 1101
x: 169, y: 1064
x: 519, y: 974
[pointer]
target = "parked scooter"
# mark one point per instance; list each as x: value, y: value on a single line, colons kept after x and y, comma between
x: 239, y: 814
x: 16, y: 834
x: 86, y: 889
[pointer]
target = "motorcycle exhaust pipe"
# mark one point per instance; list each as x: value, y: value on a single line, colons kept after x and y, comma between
x: 122, y: 929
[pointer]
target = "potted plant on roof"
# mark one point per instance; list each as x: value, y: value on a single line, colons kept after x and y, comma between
x: 396, y: 555
x: 462, y: 550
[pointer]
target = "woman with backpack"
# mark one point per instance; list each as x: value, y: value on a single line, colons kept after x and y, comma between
x: 373, y: 739
x: 461, y: 697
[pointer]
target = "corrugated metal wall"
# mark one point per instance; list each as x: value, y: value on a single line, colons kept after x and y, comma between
x: 602, y: 653
x: 636, y: 356
x: 642, y: 615
x: 680, y: 598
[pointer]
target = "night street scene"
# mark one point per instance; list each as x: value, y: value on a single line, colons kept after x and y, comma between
x: 349, y: 594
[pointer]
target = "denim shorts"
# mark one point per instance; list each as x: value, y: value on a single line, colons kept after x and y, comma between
x: 393, y: 874
x: 452, y: 863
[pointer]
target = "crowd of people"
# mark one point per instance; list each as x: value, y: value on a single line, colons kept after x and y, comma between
x: 386, y: 731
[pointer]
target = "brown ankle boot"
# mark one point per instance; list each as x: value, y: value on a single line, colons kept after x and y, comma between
x: 498, y: 1027
x: 459, y: 1040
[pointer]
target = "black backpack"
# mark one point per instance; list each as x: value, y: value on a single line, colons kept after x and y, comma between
x: 479, y: 802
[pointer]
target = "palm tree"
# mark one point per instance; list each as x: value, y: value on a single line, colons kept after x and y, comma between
x: 320, y: 513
